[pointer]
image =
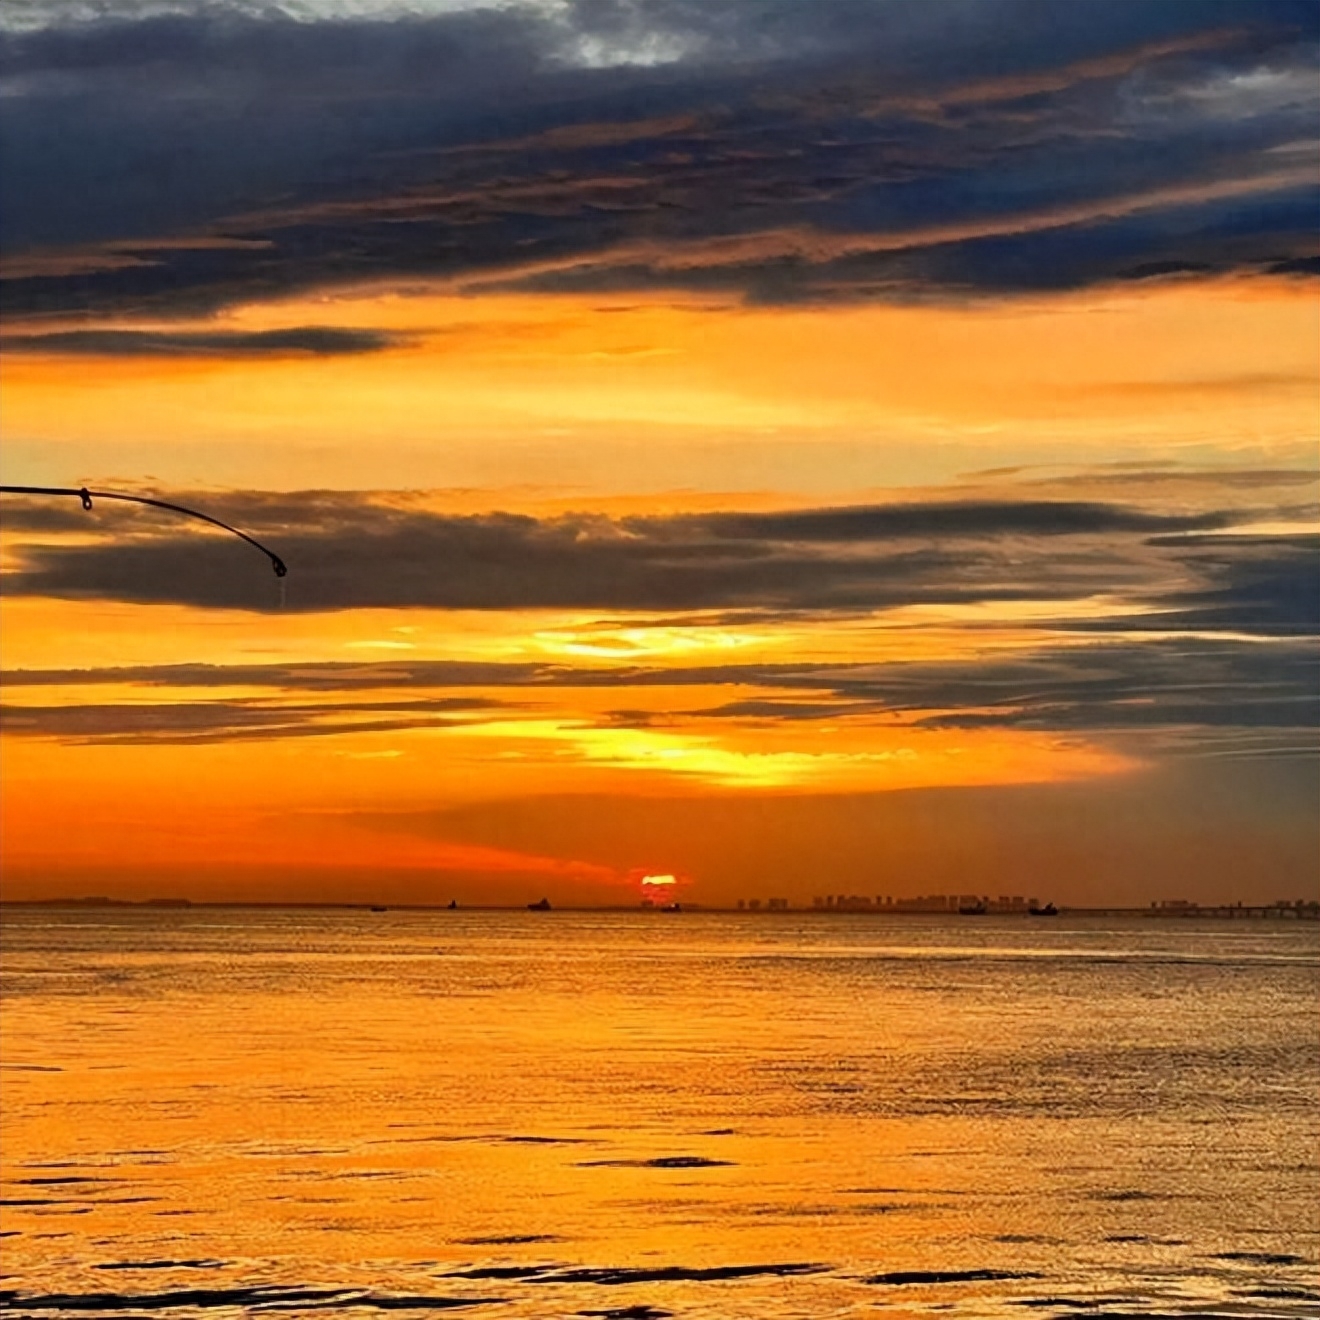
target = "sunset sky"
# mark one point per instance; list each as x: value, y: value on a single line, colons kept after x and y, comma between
x: 793, y: 446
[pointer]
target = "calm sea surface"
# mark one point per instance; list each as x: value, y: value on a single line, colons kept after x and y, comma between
x: 633, y: 1115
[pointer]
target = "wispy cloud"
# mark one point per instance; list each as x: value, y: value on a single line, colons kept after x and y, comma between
x: 313, y: 340
x: 197, y: 722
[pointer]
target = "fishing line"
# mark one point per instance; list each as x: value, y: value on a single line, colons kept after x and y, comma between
x: 87, y: 496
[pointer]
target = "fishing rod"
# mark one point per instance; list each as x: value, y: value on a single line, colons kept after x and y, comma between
x: 88, y: 495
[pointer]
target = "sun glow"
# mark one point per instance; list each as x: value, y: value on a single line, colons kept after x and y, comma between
x: 658, y: 888
x: 604, y: 641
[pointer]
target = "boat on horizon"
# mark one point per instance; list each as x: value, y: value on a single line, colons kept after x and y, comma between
x: 1049, y: 910
x: 541, y: 905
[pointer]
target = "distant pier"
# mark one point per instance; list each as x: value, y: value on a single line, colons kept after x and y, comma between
x: 1017, y: 905
x: 1297, y: 910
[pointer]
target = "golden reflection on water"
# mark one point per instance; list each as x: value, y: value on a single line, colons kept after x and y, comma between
x: 410, y: 1105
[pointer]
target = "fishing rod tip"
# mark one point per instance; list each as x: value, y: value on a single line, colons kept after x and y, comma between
x: 280, y: 569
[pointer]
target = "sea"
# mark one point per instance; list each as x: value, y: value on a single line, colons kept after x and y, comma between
x: 220, y: 1111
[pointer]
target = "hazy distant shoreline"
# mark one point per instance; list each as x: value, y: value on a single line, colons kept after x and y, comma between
x: 1217, y: 912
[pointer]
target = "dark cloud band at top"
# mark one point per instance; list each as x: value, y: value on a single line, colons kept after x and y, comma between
x: 780, y: 152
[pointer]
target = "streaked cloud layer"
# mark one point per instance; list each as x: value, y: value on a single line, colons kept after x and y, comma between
x: 1136, y: 618
x: 1195, y: 686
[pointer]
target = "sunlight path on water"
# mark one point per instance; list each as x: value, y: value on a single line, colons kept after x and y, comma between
x: 702, y: 1115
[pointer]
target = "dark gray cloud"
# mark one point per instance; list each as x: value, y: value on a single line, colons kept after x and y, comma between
x: 950, y: 519
x: 1266, y: 585
x: 316, y: 340
x: 345, y: 553
x: 1180, y: 682
x: 777, y: 151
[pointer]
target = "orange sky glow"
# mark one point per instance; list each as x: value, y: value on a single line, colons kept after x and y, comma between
x: 646, y: 487
x: 481, y: 387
